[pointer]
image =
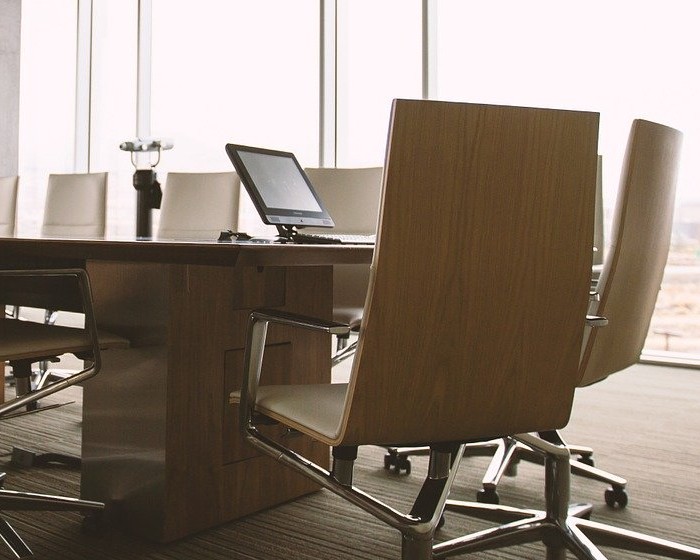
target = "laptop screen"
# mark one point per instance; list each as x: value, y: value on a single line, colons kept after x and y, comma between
x: 278, y: 186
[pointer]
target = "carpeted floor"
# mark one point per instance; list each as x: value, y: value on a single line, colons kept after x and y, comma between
x: 642, y: 423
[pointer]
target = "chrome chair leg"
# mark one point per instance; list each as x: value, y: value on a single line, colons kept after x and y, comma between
x: 13, y: 541
x: 506, y: 453
x: 343, y: 353
x: 29, y: 501
x: 560, y: 527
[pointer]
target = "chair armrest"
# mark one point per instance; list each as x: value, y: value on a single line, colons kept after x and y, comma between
x: 90, y: 327
x: 595, y: 321
x: 302, y: 321
x: 256, y: 335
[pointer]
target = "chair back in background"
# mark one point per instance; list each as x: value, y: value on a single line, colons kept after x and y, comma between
x: 599, y: 223
x: 483, y: 262
x: 351, y: 196
x: 76, y: 205
x: 634, y: 265
x: 199, y: 205
x: 8, y: 205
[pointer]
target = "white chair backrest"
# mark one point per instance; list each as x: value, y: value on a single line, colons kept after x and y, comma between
x: 8, y: 205
x: 351, y: 197
x: 199, y: 205
x: 76, y: 205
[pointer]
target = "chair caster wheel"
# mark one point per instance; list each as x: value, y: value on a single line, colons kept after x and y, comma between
x: 487, y: 497
x: 586, y: 460
x: 616, y: 497
x: 398, y: 462
x: 511, y: 469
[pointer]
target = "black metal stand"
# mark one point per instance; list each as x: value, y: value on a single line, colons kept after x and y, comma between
x: 148, y: 196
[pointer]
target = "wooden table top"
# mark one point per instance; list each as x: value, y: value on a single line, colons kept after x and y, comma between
x: 47, y: 250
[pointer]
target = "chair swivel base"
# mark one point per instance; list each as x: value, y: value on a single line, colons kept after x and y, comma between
x: 29, y: 501
x: 506, y: 453
x: 560, y: 527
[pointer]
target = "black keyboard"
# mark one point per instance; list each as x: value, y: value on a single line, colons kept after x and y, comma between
x: 336, y: 238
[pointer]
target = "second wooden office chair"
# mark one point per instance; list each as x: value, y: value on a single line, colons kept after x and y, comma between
x: 629, y: 284
x: 23, y: 343
x: 479, y: 204
x: 626, y: 293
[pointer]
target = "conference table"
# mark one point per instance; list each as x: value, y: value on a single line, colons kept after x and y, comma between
x: 160, y: 442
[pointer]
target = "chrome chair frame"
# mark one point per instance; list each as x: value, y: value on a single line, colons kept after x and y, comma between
x: 560, y: 526
x: 29, y: 501
x: 416, y: 527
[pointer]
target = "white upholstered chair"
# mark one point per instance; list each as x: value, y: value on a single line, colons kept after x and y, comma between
x: 76, y: 205
x: 199, y: 205
x: 8, y: 205
x: 351, y: 196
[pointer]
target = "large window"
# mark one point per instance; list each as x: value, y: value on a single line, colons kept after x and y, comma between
x: 378, y: 59
x: 235, y: 71
x: 626, y: 59
x: 113, y: 105
x: 47, y: 103
x: 250, y: 72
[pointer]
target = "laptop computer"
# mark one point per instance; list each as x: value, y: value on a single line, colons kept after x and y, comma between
x: 284, y: 196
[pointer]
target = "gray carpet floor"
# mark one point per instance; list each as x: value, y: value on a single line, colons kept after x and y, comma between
x: 643, y: 424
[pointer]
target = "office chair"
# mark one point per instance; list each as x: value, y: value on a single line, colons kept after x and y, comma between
x: 351, y: 196
x: 8, y: 216
x: 199, y: 205
x: 24, y: 342
x: 629, y: 283
x: 626, y: 294
x: 75, y: 205
x: 479, y: 204
x: 8, y: 205
x: 58, y: 294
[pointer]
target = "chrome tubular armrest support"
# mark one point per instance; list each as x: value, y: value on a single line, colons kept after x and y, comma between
x: 255, y: 348
x: 90, y: 327
x: 302, y: 321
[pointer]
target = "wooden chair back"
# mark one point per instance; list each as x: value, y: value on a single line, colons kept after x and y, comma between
x: 483, y: 262
x: 634, y: 265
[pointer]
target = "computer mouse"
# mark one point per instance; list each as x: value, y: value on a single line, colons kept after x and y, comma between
x: 228, y: 235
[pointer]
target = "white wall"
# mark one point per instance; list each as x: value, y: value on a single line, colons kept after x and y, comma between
x: 10, y: 15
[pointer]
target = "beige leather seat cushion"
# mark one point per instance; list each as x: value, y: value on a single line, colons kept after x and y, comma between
x: 316, y: 409
x: 28, y: 340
